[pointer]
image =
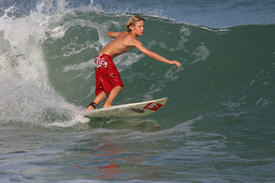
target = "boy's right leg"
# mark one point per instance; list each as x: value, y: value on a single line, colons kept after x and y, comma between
x: 98, y: 99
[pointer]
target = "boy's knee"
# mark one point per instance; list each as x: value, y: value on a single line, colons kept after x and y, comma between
x: 118, y: 87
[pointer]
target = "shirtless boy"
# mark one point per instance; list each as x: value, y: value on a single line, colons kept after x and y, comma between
x: 108, y: 81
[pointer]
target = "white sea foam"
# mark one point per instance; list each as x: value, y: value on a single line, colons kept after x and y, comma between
x: 26, y: 92
x: 201, y: 53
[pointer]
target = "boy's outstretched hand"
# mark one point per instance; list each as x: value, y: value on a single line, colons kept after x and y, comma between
x: 175, y: 63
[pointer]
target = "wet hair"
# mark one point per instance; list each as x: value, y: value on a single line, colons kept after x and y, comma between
x: 132, y: 21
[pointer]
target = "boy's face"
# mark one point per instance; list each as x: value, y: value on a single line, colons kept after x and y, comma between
x: 138, y: 28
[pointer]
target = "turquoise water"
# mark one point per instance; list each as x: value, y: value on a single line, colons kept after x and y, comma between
x: 218, y: 123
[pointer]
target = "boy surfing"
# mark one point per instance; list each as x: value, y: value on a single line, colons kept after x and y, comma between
x: 108, y: 81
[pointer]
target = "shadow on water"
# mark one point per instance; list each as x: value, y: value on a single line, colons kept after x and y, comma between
x: 141, y: 124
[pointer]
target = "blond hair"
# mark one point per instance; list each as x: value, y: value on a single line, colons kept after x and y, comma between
x: 132, y: 21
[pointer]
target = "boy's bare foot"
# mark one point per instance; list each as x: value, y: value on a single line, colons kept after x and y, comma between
x: 107, y: 105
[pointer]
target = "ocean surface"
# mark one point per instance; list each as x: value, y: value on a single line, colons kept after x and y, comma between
x: 217, y: 126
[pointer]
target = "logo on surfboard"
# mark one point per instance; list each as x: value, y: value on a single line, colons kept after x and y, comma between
x: 150, y: 106
x: 153, y: 106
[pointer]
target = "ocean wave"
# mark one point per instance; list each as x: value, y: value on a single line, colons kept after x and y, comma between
x: 228, y: 70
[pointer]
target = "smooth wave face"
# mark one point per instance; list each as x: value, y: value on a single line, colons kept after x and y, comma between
x: 210, y: 13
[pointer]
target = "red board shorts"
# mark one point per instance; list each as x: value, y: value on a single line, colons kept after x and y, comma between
x: 106, y: 74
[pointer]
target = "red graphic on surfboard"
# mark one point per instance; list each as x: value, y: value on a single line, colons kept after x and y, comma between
x: 153, y: 106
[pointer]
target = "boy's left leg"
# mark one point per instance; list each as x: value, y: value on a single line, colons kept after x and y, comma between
x: 114, y: 92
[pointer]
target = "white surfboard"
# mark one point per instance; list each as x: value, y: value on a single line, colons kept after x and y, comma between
x: 128, y: 110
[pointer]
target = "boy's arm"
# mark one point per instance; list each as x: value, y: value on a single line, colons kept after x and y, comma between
x: 154, y: 55
x: 114, y: 34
